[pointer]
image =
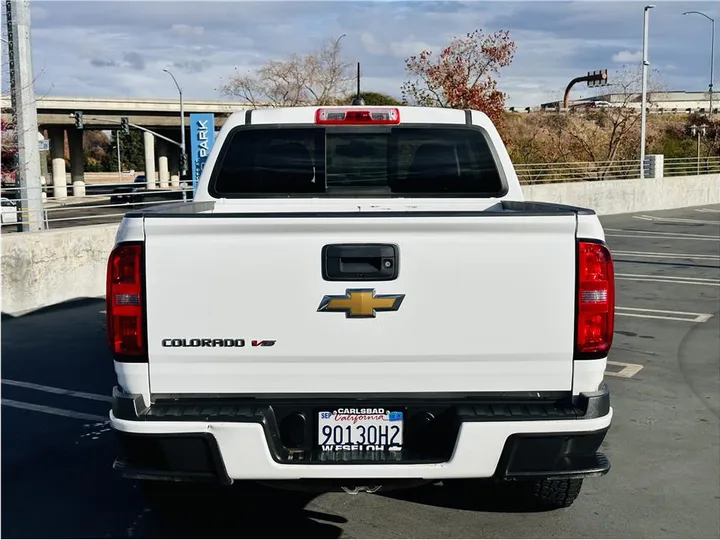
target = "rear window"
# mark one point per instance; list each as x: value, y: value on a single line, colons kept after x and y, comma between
x: 372, y: 161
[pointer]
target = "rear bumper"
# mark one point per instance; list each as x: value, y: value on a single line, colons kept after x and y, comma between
x: 224, y: 442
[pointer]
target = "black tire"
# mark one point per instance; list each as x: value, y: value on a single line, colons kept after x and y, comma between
x: 554, y: 494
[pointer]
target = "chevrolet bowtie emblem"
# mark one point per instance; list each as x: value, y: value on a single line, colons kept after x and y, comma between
x: 361, y: 303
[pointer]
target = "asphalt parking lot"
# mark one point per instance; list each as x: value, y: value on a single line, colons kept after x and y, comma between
x: 664, y: 376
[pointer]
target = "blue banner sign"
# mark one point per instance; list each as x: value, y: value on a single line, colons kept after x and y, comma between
x: 202, y: 137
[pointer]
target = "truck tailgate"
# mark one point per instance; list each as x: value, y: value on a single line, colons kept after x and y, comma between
x: 481, y: 303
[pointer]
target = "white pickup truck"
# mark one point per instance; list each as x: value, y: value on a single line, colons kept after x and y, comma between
x: 360, y: 298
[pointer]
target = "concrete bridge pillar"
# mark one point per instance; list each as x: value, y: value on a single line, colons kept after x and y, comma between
x: 174, y: 167
x: 163, y: 170
x: 656, y: 166
x: 77, y: 162
x: 57, y: 154
x: 149, y: 140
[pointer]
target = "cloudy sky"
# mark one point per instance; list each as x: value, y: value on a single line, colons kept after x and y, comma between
x: 104, y: 48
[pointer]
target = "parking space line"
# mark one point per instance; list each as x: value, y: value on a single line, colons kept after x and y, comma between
x: 60, y: 391
x: 664, y: 233
x: 677, y: 220
x: 51, y: 410
x: 669, y: 279
x: 664, y: 314
x: 627, y: 371
x: 656, y: 255
x: 665, y: 236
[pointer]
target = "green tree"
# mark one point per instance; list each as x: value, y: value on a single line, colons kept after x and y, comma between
x: 132, y: 152
x: 374, y: 98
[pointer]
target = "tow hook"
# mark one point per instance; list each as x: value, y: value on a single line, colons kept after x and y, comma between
x: 357, y: 489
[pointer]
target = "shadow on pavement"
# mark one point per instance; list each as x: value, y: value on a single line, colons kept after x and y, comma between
x: 63, y: 306
x: 247, y: 511
x: 470, y: 495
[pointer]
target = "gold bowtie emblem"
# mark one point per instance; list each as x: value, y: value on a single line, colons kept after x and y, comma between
x: 361, y: 303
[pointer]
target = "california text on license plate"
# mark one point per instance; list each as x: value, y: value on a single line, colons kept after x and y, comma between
x: 364, y: 429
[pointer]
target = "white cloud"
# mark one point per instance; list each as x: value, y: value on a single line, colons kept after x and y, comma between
x: 185, y: 30
x: 206, y: 42
x: 371, y: 44
x: 626, y: 57
x: 410, y: 46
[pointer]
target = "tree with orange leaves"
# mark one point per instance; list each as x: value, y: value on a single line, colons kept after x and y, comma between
x: 463, y: 75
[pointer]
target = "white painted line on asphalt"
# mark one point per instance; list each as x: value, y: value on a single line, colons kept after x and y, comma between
x: 663, y: 276
x: 628, y: 371
x: 668, y: 279
x: 677, y: 220
x: 51, y: 410
x: 663, y: 314
x: 659, y: 255
x: 665, y: 233
x: 53, y: 390
x: 665, y: 236
x: 708, y: 210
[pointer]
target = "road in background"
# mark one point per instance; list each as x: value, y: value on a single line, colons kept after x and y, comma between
x: 57, y: 448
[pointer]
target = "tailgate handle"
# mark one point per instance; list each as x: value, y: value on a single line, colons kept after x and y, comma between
x: 360, y: 262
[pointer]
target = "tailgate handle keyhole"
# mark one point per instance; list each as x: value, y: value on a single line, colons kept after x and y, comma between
x: 360, y: 262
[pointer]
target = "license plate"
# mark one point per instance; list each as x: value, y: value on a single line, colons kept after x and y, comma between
x: 360, y: 429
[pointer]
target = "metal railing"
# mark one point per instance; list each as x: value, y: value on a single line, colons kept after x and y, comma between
x: 544, y: 173
x: 102, y: 204
x: 577, y: 171
x: 691, y: 166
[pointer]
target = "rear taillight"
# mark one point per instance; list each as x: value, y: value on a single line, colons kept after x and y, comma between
x: 124, y: 300
x: 596, y: 300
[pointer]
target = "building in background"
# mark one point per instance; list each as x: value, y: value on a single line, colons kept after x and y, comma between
x: 680, y: 100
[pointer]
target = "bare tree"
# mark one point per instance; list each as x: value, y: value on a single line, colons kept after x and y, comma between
x: 604, y: 136
x: 613, y: 133
x: 320, y: 78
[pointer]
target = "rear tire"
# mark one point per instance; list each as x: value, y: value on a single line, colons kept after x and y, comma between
x: 553, y: 494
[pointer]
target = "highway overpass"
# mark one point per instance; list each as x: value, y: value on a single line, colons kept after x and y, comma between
x: 162, y: 163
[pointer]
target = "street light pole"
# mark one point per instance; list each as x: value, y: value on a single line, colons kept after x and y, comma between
x: 645, y: 63
x: 712, y: 51
x: 182, y: 123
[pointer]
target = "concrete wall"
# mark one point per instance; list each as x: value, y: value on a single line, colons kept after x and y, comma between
x: 41, y: 269
x: 620, y: 196
x: 46, y: 268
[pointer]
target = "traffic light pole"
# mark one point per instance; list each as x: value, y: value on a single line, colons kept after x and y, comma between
x: 137, y: 127
x: 600, y: 78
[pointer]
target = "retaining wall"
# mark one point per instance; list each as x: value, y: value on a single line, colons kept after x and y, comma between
x: 50, y: 267
x: 622, y: 196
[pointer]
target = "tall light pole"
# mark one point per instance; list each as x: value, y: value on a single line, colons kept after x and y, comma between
x: 712, y: 51
x: 22, y: 93
x: 645, y: 64
x: 183, y: 162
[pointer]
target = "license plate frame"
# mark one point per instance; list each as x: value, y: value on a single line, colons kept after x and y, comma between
x: 360, y: 429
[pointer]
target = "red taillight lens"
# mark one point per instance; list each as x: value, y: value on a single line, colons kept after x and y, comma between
x: 596, y: 300
x: 124, y: 301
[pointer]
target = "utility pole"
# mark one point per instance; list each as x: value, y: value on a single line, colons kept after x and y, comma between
x: 645, y: 65
x: 22, y: 91
x: 183, y: 169
x: 117, y: 140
